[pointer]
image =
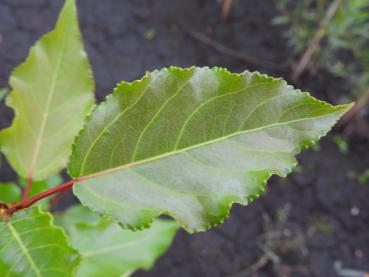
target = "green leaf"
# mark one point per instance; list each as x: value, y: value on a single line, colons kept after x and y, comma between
x: 75, y: 215
x: 114, y: 251
x: 190, y: 142
x: 31, y: 245
x: 52, y: 93
x: 9, y: 192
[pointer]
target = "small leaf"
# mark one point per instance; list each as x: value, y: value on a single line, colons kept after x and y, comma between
x: 115, y: 251
x: 190, y: 142
x: 52, y: 93
x: 31, y: 245
x: 9, y: 192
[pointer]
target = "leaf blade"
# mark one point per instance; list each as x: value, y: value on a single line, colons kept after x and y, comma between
x: 52, y: 91
x: 127, y: 251
x: 32, y: 246
x: 189, y: 143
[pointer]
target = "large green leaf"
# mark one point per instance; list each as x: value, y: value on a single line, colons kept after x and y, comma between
x: 52, y: 92
x: 190, y: 142
x: 114, y: 251
x: 31, y: 245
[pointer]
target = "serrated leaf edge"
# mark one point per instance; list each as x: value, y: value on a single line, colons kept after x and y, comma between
x: 229, y: 204
x: 32, y: 49
x: 50, y: 221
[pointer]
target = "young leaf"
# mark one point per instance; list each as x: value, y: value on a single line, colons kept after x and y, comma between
x: 31, y: 245
x: 190, y: 142
x: 52, y: 93
x: 9, y: 192
x: 115, y: 251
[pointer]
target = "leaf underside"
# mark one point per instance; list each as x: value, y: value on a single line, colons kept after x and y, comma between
x: 31, y: 246
x: 115, y: 251
x: 52, y: 91
x: 190, y: 142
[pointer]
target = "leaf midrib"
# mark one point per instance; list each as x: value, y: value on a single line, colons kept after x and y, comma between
x: 116, y: 118
x: 129, y: 165
x: 23, y: 248
x: 157, y: 113
x: 39, y: 140
x: 108, y: 126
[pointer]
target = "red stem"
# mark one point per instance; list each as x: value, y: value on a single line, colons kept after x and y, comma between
x: 27, y: 190
x: 59, y: 197
x: 26, y: 203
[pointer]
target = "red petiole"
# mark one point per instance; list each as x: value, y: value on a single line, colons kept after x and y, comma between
x: 28, y: 202
x: 27, y: 190
x: 25, y: 203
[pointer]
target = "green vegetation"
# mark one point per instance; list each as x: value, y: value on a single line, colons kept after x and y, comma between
x: 187, y: 143
x: 344, y: 51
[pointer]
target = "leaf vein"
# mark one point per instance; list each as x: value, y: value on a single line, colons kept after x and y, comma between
x: 204, y: 104
x: 24, y: 249
x: 129, y: 165
x: 48, y: 103
x: 155, y: 116
x: 108, y: 126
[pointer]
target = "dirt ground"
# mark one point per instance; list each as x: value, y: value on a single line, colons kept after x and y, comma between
x: 304, y: 224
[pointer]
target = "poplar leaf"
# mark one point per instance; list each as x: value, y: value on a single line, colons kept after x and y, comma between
x: 114, y: 251
x: 52, y: 91
x: 190, y: 142
x: 31, y: 245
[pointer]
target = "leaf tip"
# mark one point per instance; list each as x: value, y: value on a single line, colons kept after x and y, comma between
x: 349, y: 106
